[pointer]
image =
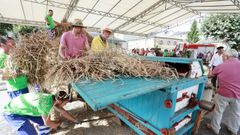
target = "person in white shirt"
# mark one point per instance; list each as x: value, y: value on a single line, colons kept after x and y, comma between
x: 151, y: 53
x: 216, y: 60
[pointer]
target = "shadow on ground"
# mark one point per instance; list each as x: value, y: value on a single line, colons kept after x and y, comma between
x: 99, y: 127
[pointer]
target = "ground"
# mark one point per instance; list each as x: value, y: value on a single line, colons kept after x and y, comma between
x: 100, y: 127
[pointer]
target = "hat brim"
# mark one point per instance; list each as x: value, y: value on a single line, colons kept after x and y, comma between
x: 79, y: 26
x: 108, y: 31
x: 220, y: 47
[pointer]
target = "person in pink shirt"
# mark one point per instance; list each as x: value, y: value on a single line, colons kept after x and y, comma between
x: 75, y: 42
x: 228, y: 94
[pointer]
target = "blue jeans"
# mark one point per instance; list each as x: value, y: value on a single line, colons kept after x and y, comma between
x: 23, y: 126
x: 51, y: 33
x: 13, y: 94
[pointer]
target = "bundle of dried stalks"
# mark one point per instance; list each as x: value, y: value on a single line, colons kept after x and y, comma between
x: 62, y: 27
x: 38, y: 58
x: 109, y: 64
x: 29, y: 56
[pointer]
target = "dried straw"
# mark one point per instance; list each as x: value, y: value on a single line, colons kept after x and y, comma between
x: 39, y: 58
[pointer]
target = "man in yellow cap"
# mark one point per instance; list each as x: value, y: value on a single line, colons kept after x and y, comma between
x: 75, y: 42
x: 99, y: 43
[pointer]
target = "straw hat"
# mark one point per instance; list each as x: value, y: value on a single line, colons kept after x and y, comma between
x: 78, y: 23
x: 106, y: 28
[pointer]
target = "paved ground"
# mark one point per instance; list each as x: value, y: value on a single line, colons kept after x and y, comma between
x: 100, y: 127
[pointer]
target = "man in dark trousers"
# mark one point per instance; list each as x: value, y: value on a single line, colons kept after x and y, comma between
x: 36, y: 107
x: 215, y: 61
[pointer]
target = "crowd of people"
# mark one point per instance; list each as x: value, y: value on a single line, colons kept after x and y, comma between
x: 153, y: 52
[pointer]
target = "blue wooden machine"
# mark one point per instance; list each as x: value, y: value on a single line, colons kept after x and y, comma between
x: 151, y: 106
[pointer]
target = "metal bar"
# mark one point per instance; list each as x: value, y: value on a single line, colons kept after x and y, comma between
x: 236, y: 3
x: 217, y: 10
x: 125, y: 12
x: 91, y: 10
x: 72, y: 5
x: 21, y: 21
x: 42, y: 24
x: 170, y: 7
x: 170, y: 27
x: 159, y: 12
x: 175, y: 3
x: 142, y: 14
x: 160, y: 18
x: 106, y: 13
x: 87, y: 10
x: 166, y: 17
x: 210, y: 6
x: 169, y: 21
x: 23, y: 11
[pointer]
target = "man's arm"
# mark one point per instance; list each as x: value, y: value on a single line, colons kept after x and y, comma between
x: 46, y: 20
x: 215, y: 71
x: 89, y: 37
x: 56, y: 23
x: 62, y: 50
x: 6, y: 75
x: 88, y: 47
x: 210, y: 74
x: 52, y: 124
x: 211, y: 62
x: 65, y: 114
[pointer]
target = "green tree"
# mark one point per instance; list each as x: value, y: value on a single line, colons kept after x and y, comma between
x: 225, y: 27
x: 193, y: 35
x: 24, y: 29
x: 4, y: 27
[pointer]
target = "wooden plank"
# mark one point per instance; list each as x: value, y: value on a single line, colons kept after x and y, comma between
x: 199, y: 118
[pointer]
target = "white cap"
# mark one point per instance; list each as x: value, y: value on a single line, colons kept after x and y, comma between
x: 106, y: 28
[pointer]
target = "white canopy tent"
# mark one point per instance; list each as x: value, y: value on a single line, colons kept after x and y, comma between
x: 134, y: 17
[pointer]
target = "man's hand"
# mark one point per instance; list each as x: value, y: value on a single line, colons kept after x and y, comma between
x: 65, y: 114
x: 210, y: 74
x: 77, y: 122
x: 52, y: 124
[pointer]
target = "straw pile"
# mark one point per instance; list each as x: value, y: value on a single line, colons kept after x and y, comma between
x: 39, y: 58
x: 29, y: 57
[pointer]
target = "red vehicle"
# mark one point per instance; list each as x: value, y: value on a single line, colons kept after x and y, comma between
x: 195, y: 49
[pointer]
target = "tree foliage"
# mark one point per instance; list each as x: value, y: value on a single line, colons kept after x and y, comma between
x: 193, y: 35
x: 4, y: 28
x: 225, y: 27
x: 24, y: 29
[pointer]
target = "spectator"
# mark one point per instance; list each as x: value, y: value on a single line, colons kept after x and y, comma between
x: 200, y: 56
x: 165, y: 53
x: 215, y: 61
x: 147, y: 51
x: 152, y: 52
x: 142, y: 52
x: 208, y: 56
x: 228, y: 94
x: 137, y: 51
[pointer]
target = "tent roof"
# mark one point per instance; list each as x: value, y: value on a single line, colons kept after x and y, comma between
x: 137, y: 17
